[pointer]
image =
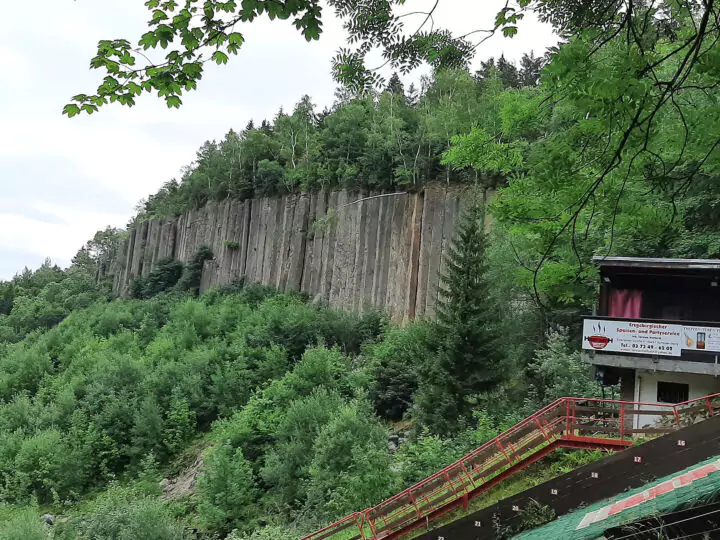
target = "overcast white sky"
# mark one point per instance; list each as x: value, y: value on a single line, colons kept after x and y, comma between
x: 61, y: 180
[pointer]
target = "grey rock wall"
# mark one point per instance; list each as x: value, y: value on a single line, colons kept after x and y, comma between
x: 354, y: 251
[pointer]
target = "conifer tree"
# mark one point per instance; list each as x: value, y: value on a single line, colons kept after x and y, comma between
x: 395, y: 85
x: 470, y: 360
x: 266, y: 127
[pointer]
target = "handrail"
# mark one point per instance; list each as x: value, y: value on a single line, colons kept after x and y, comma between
x: 529, y: 436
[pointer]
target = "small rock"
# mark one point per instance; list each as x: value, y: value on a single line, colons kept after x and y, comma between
x: 164, y: 483
x: 48, y: 518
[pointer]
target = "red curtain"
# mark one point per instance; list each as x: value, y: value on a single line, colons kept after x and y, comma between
x: 625, y: 303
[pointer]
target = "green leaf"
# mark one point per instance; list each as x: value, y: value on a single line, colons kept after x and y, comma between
x: 220, y: 57
x: 149, y: 40
x: 71, y: 110
x: 159, y: 15
x: 235, y: 38
x: 134, y: 88
x: 173, y: 102
x: 192, y: 69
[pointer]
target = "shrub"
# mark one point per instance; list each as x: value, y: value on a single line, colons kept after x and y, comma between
x: 226, y: 491
x: 162, y: 278
x: 266, y: 533
x: 191, y: 276
x: 286, y: 465
x: 123, y: 514
x: 23, y: 524
x: 396, y: 362
x: 558, y: 371
x: 351, y: 466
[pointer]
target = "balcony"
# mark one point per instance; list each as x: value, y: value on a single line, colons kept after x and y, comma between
x: 656, y: 314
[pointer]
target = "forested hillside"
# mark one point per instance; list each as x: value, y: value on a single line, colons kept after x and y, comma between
x: 294, y: 414
x: 291, y: 408
x: 394, y: 139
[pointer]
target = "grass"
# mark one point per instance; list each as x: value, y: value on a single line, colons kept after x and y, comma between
x: 557, y: 464
x: 542, y: 471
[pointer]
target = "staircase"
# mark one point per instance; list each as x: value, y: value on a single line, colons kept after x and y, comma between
x: 565, y: 423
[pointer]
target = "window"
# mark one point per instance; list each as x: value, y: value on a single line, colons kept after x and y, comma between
x: 670, y: 392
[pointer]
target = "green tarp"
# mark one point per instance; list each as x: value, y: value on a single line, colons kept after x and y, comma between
x: 697, y: 483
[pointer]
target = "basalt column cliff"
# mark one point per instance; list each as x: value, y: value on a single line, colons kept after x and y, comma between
x: 353, y: 251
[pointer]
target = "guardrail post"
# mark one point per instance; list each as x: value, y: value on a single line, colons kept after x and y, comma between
x: 500, y: 446
x: 622, y: 421
x: 452, y: 486
x: 677, y: 416
x: 373, y: 530
x: 567, y: 416
x: 361, y: 525
x: 545, y: 435
x: 710, y: 408
x: 464, y: 468
x: 412, y: 498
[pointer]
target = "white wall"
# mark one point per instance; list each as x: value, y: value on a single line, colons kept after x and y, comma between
x: 646, y: 388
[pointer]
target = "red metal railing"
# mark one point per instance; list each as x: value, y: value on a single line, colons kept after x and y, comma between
x: 567, y: 422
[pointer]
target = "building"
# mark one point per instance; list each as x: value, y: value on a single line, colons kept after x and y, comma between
x: 656, y: 328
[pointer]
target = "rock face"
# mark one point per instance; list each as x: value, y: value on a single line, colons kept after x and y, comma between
x: 354, y: 251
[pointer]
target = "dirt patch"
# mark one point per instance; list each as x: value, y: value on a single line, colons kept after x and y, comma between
x: 183, y: 484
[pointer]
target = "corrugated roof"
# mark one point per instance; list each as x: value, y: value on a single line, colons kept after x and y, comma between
x: 640, y: 262
x: 591, y: 522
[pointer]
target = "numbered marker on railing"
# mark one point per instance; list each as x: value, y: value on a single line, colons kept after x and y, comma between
x: 478, y: 523
x: 681, y: 443
x: 515, y: 508
x: 637, y: 459
x: 553, y: 492
x: 594, y: 475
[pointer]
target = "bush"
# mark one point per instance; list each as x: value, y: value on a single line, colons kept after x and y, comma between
x: 226, y: 491
x: 396, y: 362
x: 122, y: 514
x: 162, y: 278
x: 267, y: 533
x: 351, y: 467
x: 191, y: 276
x: 286, y: 468
x: 23, y: 524
x: 558, y: 371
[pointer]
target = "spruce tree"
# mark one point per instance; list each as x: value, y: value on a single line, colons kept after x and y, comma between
x: 470, y: 357
x: 395, y: 85
x: 530, y: 66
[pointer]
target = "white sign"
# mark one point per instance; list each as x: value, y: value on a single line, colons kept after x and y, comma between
x: 634, y: 337
x: 639, y: 337
x: 701, y: 338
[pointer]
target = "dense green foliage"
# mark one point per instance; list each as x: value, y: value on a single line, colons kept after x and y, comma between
x: 291, y: 403
x: 470, y: 359
x: 169, y: 274
x: 300, y: 414
x: 392, y: 140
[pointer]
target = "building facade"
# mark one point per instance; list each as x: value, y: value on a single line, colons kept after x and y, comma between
x: 656, y: 329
